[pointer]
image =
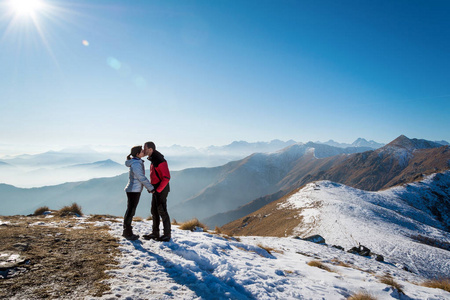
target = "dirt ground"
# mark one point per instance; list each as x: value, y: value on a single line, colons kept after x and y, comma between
x: 63, y: 258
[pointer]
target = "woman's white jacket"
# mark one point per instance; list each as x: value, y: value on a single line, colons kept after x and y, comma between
x: 136, y: 178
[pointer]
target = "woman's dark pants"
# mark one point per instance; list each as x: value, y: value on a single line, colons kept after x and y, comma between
x: 133, y: 200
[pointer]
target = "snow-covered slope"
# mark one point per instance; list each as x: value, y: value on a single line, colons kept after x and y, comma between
x: 201, y: 265
x: 389, y: 222
x: 242, y: 181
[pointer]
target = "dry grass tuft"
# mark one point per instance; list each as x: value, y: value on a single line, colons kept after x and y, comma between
x: 362, y: 296
x: 231, y: 238
x: 95, y: 218
x: 341, y: 263
x: 41, y: 210
x: 268, y: 249
x: 150, y: 218
x: 174, y: 222
x: 192, y: 225
x: 138, y: 219
x: 387, y: 279
x: 74, y: 209
x: 217, y: 230
x: 318, y: 264
x: 443, y: 284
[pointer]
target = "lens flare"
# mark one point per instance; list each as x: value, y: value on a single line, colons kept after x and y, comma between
x: 86, y: 43
x: 113, y: 63
x: 26, y: 7
x: 140, y: 82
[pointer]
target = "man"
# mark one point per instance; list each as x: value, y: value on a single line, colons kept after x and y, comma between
x: 159, y: 178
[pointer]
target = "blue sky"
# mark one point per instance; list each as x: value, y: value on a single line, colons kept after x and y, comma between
x: 200, y: 73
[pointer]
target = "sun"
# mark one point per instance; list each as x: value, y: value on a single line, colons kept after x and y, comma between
x: 26, y: 7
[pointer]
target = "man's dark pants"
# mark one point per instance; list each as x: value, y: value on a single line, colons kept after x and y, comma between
x: 159, y: 210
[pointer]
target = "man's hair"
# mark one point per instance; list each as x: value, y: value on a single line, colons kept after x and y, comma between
x: 150, y: 145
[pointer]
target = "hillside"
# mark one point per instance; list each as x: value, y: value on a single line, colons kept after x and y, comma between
x: 258, y: 175
x: 410, y: 221
x: 401, y: 161
x: 194, y: 265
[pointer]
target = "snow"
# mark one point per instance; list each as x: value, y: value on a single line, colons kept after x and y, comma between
x: 202, y: 265
x: 382, y: 221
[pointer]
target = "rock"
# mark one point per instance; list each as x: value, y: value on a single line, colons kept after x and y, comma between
x: 360, y: 250
x: 11, y: 264
x: 10, y: 259
x: 338, y: 247
x: 22, y: 246
x: 379, y: 258
x: 315, y: 239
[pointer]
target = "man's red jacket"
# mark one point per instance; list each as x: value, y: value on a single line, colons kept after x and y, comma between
x: 159, y: 171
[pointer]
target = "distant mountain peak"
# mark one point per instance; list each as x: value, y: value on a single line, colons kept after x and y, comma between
x: 360, y: 140
x: 411, y: 144
x: 108, y: 161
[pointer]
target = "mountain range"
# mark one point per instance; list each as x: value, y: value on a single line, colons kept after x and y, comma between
x: 401, y: 161
x: 227, y: 187
x: 360, y: 142
x: 225, y: 193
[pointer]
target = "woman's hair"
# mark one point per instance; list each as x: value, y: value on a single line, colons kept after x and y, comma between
x: 134, y: 152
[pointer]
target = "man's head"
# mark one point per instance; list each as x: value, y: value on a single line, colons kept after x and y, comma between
x: 149, y: 147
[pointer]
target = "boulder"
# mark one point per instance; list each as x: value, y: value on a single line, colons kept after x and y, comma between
x: 315, y: 239
x: 338, y: 247
x: 360, y: 250
x: 11, y: 264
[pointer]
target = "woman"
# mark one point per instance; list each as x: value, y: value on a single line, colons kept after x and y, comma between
x: 136, y: 182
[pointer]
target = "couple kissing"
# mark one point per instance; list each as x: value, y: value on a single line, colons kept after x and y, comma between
x: 158, y: 186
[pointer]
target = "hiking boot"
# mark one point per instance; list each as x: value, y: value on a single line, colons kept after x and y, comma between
x: 152, y: 236
x: 164, y: 238
x: 131, y: 237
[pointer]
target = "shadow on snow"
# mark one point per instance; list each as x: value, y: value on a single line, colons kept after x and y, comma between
x: 208, y: 286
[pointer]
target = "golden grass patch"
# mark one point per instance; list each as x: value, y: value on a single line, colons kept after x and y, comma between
x: 74, y: 209
x: 41, y: 210
x: 361, y: 296
x: 443, y: 284
x: 339, y: 263
x: 269, y: 249
x: 387, y: 279
x: 320, y: 265
x: 192, y: 225
x: 95, y: 218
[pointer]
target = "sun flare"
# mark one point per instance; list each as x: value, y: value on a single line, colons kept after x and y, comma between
x: 26, y: 7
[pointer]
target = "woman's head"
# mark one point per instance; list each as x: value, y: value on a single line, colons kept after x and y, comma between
x: 136, y: 151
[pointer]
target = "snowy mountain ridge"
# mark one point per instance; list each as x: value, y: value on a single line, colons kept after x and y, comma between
x: 388, y: 222
x: 403, y: 148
